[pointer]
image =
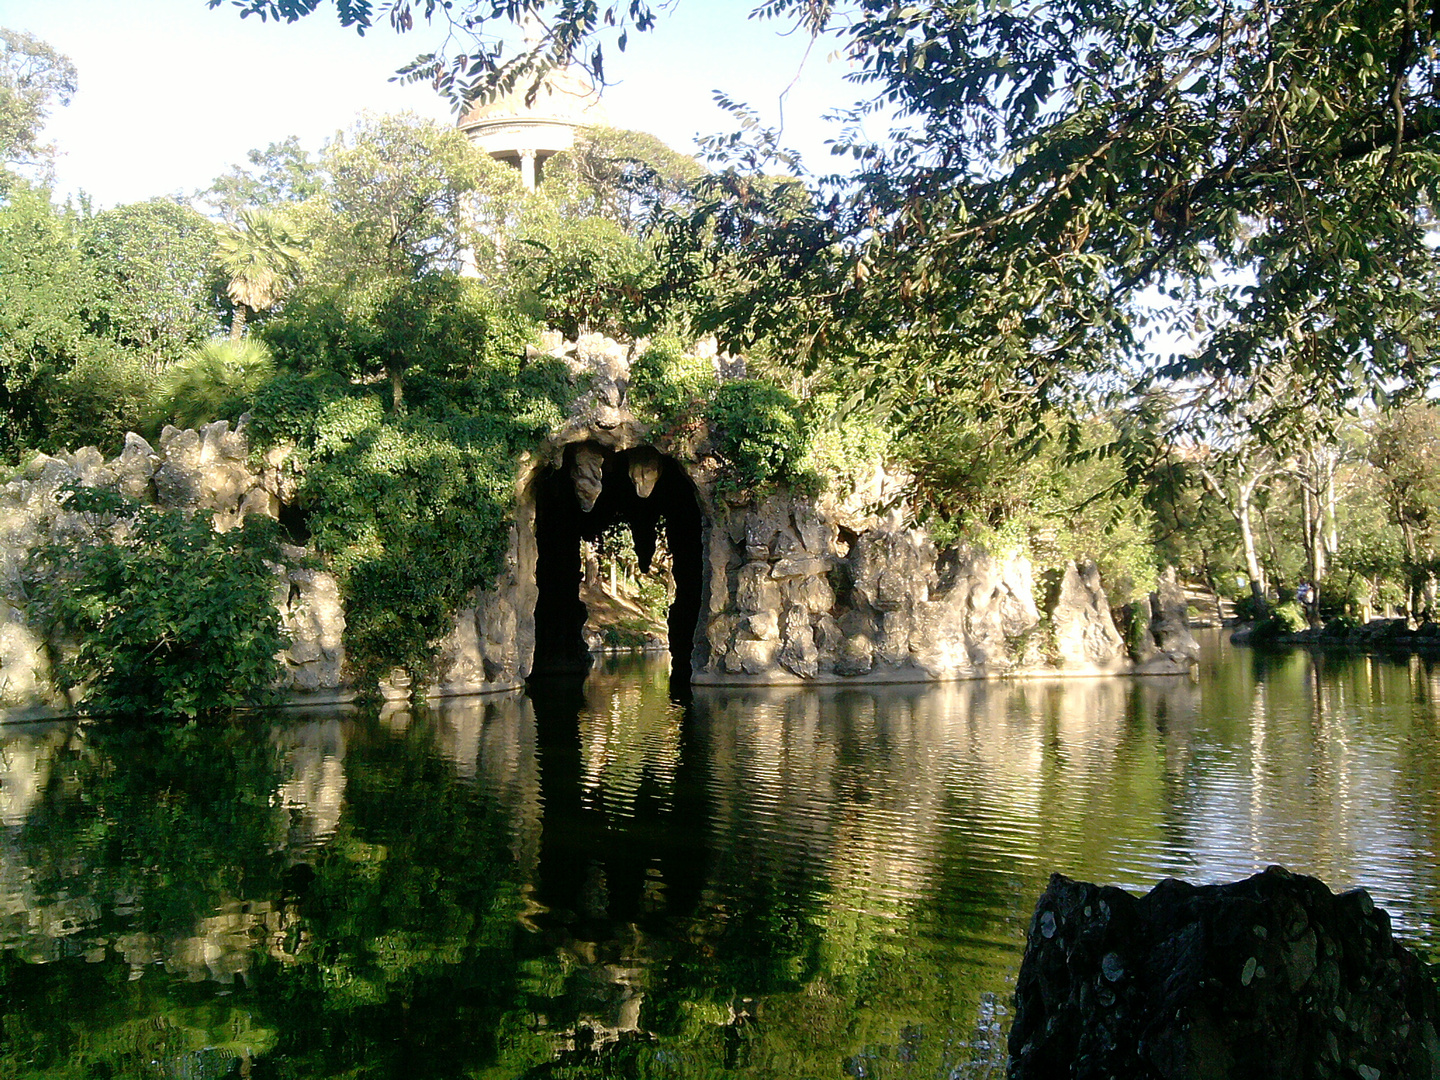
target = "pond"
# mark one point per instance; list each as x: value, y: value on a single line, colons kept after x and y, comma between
x: 599, y: 879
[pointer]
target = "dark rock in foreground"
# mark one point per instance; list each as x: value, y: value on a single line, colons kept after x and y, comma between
x: 1273, y: 976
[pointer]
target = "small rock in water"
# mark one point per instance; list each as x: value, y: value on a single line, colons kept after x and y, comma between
x: 1146, y: 987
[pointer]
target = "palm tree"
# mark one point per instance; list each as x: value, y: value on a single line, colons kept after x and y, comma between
x: 261, y: 257
x: 216, y: 378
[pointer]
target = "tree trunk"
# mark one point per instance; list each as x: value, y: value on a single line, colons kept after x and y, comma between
x: 1312, y: 526
x: 1239, y: 506
x: 397, y: 391
x: 1273, y: 564
x: 1315, y: 474
x: 1259, y: 588
x: 237, y: 322
x: 1412, y: 571
x: 1332, y: 536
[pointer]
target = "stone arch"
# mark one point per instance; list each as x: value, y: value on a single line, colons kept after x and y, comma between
x: 578, y: 490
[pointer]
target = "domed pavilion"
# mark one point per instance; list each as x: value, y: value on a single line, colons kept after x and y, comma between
x: 526, y: 133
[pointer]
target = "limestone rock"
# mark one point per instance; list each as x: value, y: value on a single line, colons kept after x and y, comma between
x: 1272, y: 976
x: 461, y: 659
x: 893, y: 645
x: 812, y: 592
x: 764, y: 527
x: 602, y: 366
x: 999, y: 604
x: 1085, y: 634
x: 133, y: 471
x: 314, y: 618
x: 877, y: 599
x: 938, y: 643
x: 799, y: 654
x: 587, y: 473
x: 829, y: 638
x: 755, y: 657
x: 1170, y: 644
x: 798, y: 567
x: 857, y: 655
x: 177, y: 480
x: 892, y: 567
x: 644, y: 470
x: 762, y: 626
x: 24, y: 668
x: 755, y: 591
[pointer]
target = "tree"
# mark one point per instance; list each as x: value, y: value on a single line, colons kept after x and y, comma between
x: 33, y: 79
x: 215, y: 379
x: 283, y: 173
x: 484, y: 66
x: 156, y: 276
x: 1234, y: 476
x: 1264, y: 166
x: 174, y: 619
x: 261, y: 258
x: 1314, y: 468
x: 65, y: 379
x: 583, y: 275
x: 46, y: 298
x: 395, y: 201
x: 1405, y: 449
x: 438, y: 324
x: 624, y: 176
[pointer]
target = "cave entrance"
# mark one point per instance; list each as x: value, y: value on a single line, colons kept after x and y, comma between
x: 592, y: 493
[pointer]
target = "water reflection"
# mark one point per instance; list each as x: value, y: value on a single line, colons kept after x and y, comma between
x: 313, y: 762
x: 764, y: 882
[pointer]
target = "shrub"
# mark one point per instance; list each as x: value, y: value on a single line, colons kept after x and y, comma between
x: 1249, y: 609
x: 760, y: 431
x: 1283, y: 619
x: 108, y: 392
x: 285, y: 409
x: 845, y: 447
x: 173, y: 619
x: 669, y: 388
x: 217, y: 378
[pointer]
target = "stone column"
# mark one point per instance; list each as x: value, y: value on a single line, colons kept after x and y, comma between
x: 527, y: 169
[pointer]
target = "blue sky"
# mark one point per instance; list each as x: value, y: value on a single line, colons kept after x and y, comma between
x: 172, y: 93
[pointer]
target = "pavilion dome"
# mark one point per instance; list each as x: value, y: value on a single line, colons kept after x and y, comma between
x: 525, y: 133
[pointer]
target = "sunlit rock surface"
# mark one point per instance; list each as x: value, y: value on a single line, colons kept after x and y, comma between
x: 1271, y: 976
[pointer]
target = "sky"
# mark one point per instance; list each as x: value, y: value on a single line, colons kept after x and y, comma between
x: 171, y: 93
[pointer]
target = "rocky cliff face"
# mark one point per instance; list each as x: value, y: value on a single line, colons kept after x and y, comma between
x: 800, y: 588
x: 805, y: 589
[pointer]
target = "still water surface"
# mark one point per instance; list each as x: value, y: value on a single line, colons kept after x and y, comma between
x: 601, y: 880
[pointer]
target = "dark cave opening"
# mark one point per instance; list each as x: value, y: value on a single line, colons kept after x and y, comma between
x: 640, y: 489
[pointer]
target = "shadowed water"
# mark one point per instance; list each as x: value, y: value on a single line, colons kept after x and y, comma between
x: 599, y: 880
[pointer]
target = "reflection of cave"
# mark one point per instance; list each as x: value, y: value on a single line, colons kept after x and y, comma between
x: 639, y: 488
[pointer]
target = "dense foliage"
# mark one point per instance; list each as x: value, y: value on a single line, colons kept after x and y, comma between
x: 33, y: 79
x: 410, y: 508
x: 169, y: 617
